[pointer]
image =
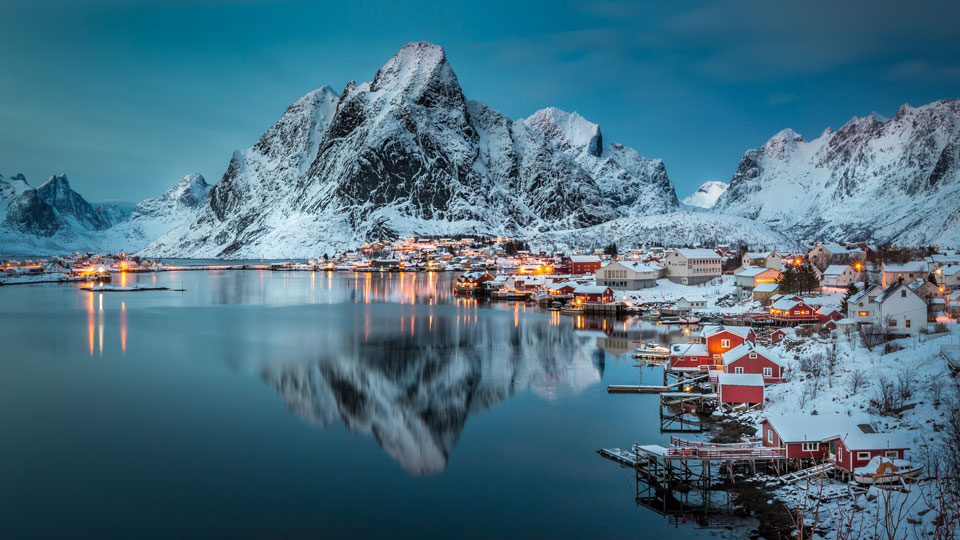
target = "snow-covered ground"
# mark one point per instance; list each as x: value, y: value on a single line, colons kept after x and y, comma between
x: 842, y: 392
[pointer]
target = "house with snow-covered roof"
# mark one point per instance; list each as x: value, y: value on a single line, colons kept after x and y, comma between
x: 847, y: 441
x: 838, y: 276
x: 628, y: 275
x: 691, y: 302
x: 765, y: 259
x: 583, y: 264
x: 827, y: 253
x: 740, y: 389
x: 754, y: 359
x: 897, y: 309
x: 749, y: 277
x: 691, y: 266
x: 593, y: 294
x: 906, y: 272
x: 792, y: 309
x: 949, y: 277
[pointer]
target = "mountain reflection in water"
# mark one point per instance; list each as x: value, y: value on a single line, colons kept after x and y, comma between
x: 410, y: 375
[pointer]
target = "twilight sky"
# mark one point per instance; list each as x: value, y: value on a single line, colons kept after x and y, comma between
x: 127, y: 96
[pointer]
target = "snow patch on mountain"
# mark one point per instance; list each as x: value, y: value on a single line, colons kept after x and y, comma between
x: 706, y: 195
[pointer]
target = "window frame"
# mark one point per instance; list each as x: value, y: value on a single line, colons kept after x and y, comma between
x: 861, y: 454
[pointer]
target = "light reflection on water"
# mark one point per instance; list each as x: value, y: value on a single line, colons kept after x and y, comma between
x: 143, y: 397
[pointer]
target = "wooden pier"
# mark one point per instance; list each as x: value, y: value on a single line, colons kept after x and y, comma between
x: 617, y: 308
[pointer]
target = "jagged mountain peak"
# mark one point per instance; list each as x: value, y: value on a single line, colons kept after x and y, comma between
x: 569, y: 132
x: 417, y: 70
x: 58, y: 181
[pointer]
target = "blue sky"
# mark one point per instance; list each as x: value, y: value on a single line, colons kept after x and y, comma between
x: 128, y: 96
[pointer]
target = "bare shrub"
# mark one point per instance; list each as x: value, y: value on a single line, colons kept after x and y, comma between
x: 857, y: 380
x: 871, y: 336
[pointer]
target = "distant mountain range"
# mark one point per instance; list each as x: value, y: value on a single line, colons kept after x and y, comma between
x: 408, y: 154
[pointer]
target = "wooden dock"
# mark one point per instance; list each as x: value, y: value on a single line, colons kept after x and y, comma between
x: 635, y: 389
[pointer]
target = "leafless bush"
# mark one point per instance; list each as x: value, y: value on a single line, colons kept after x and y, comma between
x: 871, y: 336
x: 858, y: 380
x: 804, y: 331
x: 815, y: 364
x: 939, y: 328
x: 884, y: 400
x: 905, y: 386
x: 891, y: 346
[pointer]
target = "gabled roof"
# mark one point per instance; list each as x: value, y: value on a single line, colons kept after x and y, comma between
x: 836, y: 269
x: 740, y: 379
x: 693, y: 298
x: 912, y: 266
x: 697, y: 253
x: 801, y: 427
x: 837, y: 249
x: 760, y: 254
x: 561, y: 285
x: 584, y: 258
x: 689, y: 349
x: 638, y: 266
x: 765, y: 287
x: 740, y: 351
x: 888, y: 293
x: 754, y: 271
x: 711, y: 329
x: 590, y: 289
x: 787, y: 303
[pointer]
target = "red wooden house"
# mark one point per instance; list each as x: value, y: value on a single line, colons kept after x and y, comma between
x: 688, y: 357
x: 471, y: 281
x: 740, y: 388
x: 857, y: 448
x: 847, y: 441
x: 583, y: 264
x: 792, y: 309
x: 708, y: 354
x: 751, y: 359
x: 778, y: 336
x: 593, y: 294
x: 803, y: 436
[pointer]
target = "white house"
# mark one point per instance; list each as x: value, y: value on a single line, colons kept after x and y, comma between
x: 908, y: 272
x: 949, y: 276
x: 688, y: 303
x: 751, y: 276
x: 628, y: 275
x: 692, y: 266
x: 939, y: 261
x: 898, y: 309
x: 838, y: 275
x: 829, y: 253
x: 766, y: 259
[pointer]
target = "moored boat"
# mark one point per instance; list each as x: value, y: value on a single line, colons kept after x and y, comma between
x: 881, y: 470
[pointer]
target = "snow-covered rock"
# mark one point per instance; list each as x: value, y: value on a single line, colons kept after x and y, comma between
x: 706, y: 195
x: 874, y: 179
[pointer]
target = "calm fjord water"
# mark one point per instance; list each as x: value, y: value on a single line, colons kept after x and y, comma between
x: 312, y: 405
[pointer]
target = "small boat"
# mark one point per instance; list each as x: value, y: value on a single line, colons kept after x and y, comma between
x: 881, y: 470
x: 651, y: 349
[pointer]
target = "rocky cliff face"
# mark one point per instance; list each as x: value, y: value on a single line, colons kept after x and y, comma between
x: 407, y: 153
x: 51, y: 207
x: 874, y: 179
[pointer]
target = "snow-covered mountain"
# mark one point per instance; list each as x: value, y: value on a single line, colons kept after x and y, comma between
x: 706, y: 195
x: 407, y: 153
x: 153, y: 217
x: 50, y: 218
x: 874, y: 179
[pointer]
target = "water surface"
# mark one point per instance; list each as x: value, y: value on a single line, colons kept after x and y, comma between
x: 306, y: 405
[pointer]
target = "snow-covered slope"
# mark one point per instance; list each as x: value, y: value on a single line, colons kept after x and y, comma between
x: 407, y: 153
x: 874, y: 179
x: 153, y: 217
x: 673, y: 229
x: 706, y: 195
